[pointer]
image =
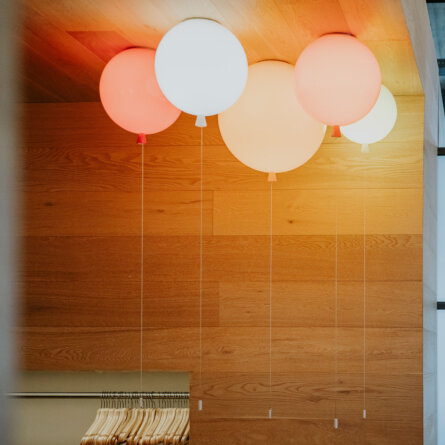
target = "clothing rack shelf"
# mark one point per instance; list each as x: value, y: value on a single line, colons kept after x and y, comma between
x: 99, y: 395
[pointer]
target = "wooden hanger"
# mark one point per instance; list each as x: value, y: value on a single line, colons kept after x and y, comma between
x: 160, y: 425
x: 122, y: 414
x: 126, y: 426
x: 174, y: 426
x: 115, y: 417
x: 186, y: 432
x: 138, y: 426
x: 107, y: 428
x: 170, y: 419
x: 96, y: 439
x: 100, y: 426
x: 140, y: 415
x: 91, y: 431
x: 148, y: 433
x: 181, y: 427
x: 104, y: 425
x: 148, y: 420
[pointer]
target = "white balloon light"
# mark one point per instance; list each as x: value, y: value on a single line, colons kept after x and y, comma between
x: 267, y: 129
x: 201, y: 67
x: 377, y: 124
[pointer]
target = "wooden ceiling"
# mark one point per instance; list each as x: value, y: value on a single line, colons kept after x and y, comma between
x: 66, y: 43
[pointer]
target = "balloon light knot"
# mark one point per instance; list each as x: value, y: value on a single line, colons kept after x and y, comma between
x: 336, y: 133
x: 272, y: 177
x: 201, y: 121
x: 142, y: 139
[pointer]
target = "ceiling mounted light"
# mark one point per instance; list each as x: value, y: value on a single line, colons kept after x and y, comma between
x: 338, y: 80
x: 267, y: 129
x: 131, y: 96
x: 201, y: 67
x: 377, y: 124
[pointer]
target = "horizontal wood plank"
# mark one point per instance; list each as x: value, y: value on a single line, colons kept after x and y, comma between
x: 166, y: 213
x: 388, y: 350
x: 226, y: 258
x: 312, y: 303
x: 308, y: 396
x: 66, y: 167
x: 318, y: 212
x: 294, y: 350
x: 244, y: 304
x: 304, y: 432
x: 117, y: 304
x: 112, y: 349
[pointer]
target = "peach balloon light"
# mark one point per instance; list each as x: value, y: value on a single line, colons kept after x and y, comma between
x: 131, y: 95
x: 267, y: 129
x: 338, y: 80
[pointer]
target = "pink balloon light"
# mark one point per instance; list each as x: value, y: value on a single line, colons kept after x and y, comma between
x: 338, y: 80
x: 131, y: 95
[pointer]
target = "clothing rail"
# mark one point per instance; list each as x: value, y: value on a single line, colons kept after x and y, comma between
x: 99, y: 395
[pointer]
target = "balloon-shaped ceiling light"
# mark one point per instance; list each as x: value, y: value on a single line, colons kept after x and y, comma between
x: 376, y: 124
x: 267, y: 129
x: 201, y: 67
x: 131, y: 95
x: 338, y: 80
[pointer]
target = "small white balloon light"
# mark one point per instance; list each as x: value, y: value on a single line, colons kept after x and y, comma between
x: 201, y: 68
x: 267, y: 129
x: 377, y: 124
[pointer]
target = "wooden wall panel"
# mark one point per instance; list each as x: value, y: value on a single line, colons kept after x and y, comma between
x: 389, y: 303
x: 335, y: 165
x: 115, y: 214
x: 226, y: 258
x: 294, y: 350
x: 167, y: 304
x: 90, y: 348
x: 305, y: 432
x: 314, y: 212
x: 310, y: 396
x: 81, y: 274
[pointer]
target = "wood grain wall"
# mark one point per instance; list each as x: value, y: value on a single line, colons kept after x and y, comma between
x: 81, y: 274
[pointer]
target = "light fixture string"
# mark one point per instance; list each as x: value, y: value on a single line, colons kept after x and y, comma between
x: 364, y: 295
x: 336, y: 311
x: 142, y: 269
x: 270, y: 296
x: 200, y: 259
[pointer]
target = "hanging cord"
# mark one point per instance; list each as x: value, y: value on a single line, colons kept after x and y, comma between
x: 200, y: 267
x: 364, y: 295
x: 336, y: 315
x: 142, y: 269
x: 270, y: 296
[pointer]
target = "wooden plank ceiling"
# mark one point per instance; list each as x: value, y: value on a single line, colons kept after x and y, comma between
x: 66, y: 43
